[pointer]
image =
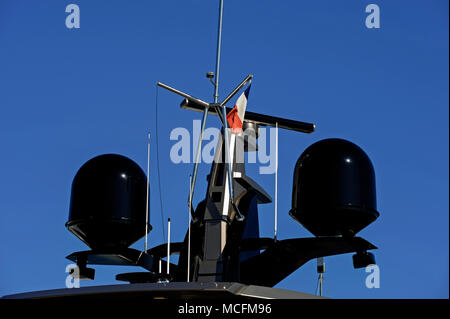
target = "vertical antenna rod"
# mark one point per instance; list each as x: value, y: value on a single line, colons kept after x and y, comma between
x: 168, y: 245
x: 224, y: 115
x: 219, y: 46
x: 205, y: 111
x: 147, y: 217
x: 276, y: 181
x: 197, y: 157
x: 189, y: 235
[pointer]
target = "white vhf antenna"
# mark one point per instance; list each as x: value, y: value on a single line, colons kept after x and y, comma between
x: 189, y: 231
x: 147, y: 217
x: 168, y: 245
x: 276, y: 183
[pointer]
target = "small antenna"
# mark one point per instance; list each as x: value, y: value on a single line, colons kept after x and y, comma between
x: 160, y: 280
x: 168, y: 245
x: 189, y: 233
x: 276, y: 182
x: 147, y: 217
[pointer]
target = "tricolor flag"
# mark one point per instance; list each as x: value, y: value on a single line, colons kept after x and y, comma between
x: 235, y: 117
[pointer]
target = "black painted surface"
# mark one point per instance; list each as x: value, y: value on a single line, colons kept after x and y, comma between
x: 334, y: 189
x: 108, y: 202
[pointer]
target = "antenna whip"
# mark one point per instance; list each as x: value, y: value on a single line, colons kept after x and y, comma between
x: 157, y: 164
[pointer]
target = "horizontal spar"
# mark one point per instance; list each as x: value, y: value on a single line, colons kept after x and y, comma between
x: 257, y: 118
x: 187, y: 96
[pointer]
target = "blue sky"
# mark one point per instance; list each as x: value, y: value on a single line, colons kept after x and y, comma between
x: 69, y: 95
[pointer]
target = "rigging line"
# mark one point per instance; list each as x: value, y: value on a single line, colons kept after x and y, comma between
x: 158, y: 168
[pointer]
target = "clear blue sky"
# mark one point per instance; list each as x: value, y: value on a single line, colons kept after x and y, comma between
x: 69, y: 95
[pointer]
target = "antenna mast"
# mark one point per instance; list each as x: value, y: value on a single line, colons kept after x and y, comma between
x: 213, y: 260
x: 219, y: 46
x: 206, y: 108
x: 223, y: 117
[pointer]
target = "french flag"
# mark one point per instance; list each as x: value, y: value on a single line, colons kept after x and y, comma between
x: 235, y: 117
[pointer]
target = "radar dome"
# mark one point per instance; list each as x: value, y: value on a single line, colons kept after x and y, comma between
x: 334, y: 189
x: 108, y: 202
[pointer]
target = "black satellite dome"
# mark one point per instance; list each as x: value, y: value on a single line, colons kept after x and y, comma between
x: 334, y: 189
x: 108, y: 202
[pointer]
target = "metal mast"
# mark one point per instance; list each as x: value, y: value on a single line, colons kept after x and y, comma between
x: 219, y: 46
x: 224, y: 115
x: 206, y: 109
